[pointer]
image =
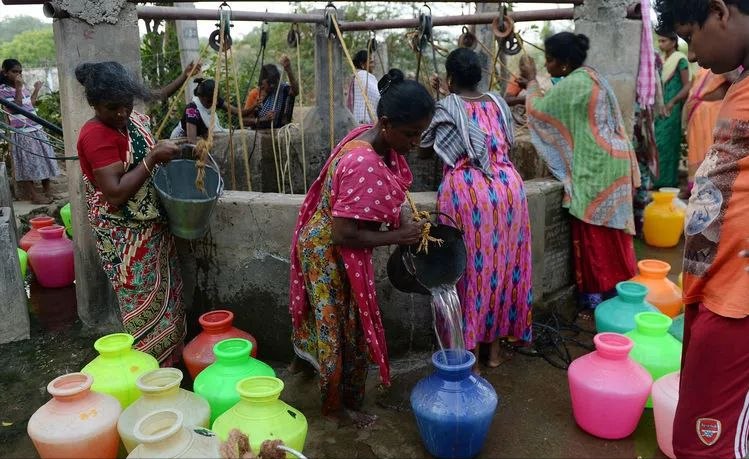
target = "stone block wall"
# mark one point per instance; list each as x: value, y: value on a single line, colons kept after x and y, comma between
x: 243, y: 265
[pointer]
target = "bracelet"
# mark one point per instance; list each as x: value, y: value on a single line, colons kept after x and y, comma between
x: 145, y: 164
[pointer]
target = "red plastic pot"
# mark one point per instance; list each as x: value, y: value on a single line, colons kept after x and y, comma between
x: 217, y: 326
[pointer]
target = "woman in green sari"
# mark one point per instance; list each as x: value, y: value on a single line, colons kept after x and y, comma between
x: 577, y: 127
x: 668, y: 128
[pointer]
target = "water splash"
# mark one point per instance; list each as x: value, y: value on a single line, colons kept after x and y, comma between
x: 448, y: 318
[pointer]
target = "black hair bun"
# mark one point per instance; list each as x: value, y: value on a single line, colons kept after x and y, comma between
x: 84, y: 71
x: 583, y: 41
x: 390, y: 79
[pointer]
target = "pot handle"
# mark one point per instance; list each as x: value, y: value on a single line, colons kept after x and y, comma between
x: 220, y: 184
x: 458, y: 227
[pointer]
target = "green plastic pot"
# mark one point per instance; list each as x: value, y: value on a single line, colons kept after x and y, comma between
x: 118, y: 366
x: 23, y: 261
x: 655, y: 349
x: 617, y: 314
x: 66, y: 219
x: 261, y: 416
x: 218, y: 382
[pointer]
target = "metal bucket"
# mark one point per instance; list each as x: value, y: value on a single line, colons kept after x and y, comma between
x: 189, y: 209
x: 413, y: 272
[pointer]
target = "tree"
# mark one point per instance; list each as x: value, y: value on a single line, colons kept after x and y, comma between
x: 12, y: 26
x: 33, y: 48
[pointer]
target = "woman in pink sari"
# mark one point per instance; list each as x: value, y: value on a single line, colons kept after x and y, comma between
x: 335, y: 317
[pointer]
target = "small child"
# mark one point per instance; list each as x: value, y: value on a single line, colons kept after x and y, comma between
x: 33, y: 157
x: 712, y: 417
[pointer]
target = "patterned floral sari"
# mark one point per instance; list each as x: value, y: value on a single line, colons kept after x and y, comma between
x: 333, y: 302
x: 138, y: 254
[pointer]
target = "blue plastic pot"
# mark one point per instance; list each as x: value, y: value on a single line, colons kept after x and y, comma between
x: 453, y: 407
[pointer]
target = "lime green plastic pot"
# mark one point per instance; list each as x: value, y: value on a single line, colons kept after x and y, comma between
x: 66, y: 219
x: 118, y: 366
x: 261, y: 416
x: 655, y: 349
x: 218, y: 382
x: 23, y: 260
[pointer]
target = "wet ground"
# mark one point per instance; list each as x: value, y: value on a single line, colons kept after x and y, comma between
x: 534, y: 418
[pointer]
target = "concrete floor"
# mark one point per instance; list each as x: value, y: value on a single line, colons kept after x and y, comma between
x: 534, y: 418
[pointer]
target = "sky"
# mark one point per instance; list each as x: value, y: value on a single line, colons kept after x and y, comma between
x: 241, y: 28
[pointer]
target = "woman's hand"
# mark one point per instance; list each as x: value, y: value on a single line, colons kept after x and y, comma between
x: 285, y: 61
x: 193, y: 68
x: 38, y: 85
x: 434, y: 81
x: 163, y: 152
x: 19, y: 82
x: 410, y: 232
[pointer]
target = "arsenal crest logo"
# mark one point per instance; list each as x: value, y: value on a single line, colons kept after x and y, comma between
x: 708, y: 430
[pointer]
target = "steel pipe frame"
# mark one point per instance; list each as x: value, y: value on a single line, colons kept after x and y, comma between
x: 560, y: 2
x: 168, y: 12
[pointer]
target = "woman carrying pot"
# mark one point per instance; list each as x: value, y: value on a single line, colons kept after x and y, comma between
x: 472, y: 133
x: 333, y: 304
x: 118, y: 155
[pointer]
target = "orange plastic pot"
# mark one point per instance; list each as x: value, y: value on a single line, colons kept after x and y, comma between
x: 663, y: 294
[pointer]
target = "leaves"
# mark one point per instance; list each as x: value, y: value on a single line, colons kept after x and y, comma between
x: 34, y: 48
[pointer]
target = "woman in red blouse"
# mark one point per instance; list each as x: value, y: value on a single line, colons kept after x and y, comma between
x: 118, y: 155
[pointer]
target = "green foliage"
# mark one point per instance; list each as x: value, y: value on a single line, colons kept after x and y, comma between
x: 33, y: 48
x: 161, y: 64
x: 48, y: 107
x: 12, y: 26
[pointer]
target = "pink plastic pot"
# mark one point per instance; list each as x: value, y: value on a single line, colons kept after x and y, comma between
x: 665, y: 398
x: 608, y: 389
x: 52, y: 258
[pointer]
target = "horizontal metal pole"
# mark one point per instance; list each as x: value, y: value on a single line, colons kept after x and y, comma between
x: 16, y: 109
x: 176, y: 12
x: 560, y: 2
x: 464, y: 19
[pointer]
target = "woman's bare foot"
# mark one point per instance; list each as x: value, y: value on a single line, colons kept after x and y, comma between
x: 586, y: 314
x: 361, y: 419
x: 300, y: 366
x: 498, y: 354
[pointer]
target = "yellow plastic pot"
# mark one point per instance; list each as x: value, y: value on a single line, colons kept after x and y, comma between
x: 663, y: 222
x: 118, y: 366
x: 262, y: 416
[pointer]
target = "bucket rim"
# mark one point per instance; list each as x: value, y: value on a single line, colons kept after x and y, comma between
x: 206, y: 200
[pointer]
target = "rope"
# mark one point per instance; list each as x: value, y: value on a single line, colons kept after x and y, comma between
x: 276, y: 161
x: 331, y: 113
x: 301, y: 104
x: 284, y: 135
x: 425, y: 237
x: 175, y: 101
x: 362, y: 88
x: 228, y: 118
x: 203, y: 146
x: 245, y: 155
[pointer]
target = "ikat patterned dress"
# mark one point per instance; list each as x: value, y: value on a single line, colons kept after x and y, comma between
x: 495, y: 291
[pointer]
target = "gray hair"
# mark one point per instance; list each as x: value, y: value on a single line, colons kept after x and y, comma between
x: 110, y: 82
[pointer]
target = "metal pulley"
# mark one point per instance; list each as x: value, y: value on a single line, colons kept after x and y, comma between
x: 425, y: 27
x: 467, y: 39
x: 512, y: 45
x: 224, y: 17
x: 372, y: 44
x: 330, y: 12
x: 292, y: 39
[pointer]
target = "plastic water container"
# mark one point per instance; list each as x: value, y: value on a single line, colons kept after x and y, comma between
x: 665, y: 395
x: 608, y: 388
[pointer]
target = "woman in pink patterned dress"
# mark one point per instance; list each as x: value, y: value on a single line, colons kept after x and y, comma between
x: 472, y: 133
x: 333, y: 304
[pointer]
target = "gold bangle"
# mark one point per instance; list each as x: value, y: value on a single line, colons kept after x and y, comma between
x: 145, y: 164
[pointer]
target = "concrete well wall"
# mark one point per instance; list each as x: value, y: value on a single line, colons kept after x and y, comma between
x: 243, y: 265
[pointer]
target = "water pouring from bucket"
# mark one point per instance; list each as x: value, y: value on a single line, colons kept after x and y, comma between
x: 189, y: 209
x: 435, y: 271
